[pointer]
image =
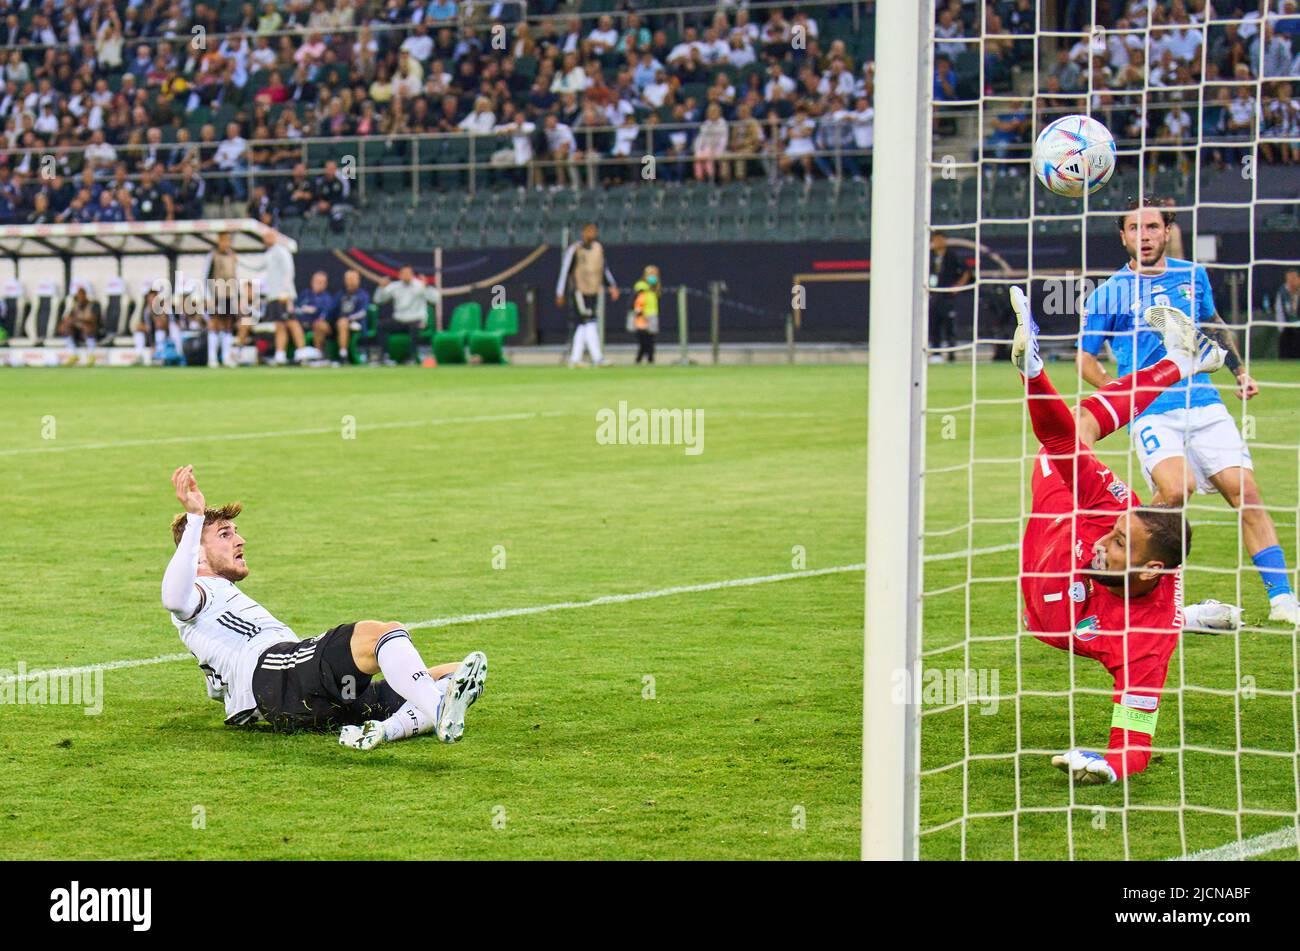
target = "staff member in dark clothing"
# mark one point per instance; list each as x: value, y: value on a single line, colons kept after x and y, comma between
x: 153, y: 200
x: 947, y: 270
x: 330, y: 193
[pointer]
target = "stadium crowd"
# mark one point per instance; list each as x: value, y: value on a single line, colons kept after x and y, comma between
x: 1157, y: 71
x: 146, y: 109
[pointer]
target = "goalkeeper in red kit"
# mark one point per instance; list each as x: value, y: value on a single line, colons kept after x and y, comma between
x: 1100, y: 574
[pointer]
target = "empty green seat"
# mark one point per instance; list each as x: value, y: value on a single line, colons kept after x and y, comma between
x: 488, y: 344
x: 449, y: 345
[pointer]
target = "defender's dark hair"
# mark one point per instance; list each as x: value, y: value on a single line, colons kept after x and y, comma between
x: 1148, y: 201
x: 1170, y: 533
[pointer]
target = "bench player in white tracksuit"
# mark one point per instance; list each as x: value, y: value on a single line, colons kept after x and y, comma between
x: 1186, y: 439
x: 260, y: 669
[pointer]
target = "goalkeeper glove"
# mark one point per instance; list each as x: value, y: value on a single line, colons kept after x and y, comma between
x: 1087, y: 768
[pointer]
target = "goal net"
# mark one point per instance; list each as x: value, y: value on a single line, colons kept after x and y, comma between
x: 1198, y: 97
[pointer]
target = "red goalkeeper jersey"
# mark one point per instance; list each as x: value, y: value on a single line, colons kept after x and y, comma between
x: 1065, y: 608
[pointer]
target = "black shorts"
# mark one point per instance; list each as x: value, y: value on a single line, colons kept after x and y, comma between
x: 314, y: 685
x: 277, y: 311
x: 584, y: 307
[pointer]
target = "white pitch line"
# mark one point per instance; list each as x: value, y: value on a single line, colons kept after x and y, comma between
x: 637, y: 596
x: 1284, y: 838
x: 275, y: 434
x: 91, y: 668
x: 484, y: 616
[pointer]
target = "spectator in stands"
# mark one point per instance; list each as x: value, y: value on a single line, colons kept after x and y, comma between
x: 519, y: 131
x: 40, y: 213
x: 152, y: 199
x: 411, y: 299
x: 835, y: 136
x: 775, y: 34
x: 99, y: 154
x: 231, y: 157
x: 331, y: 193
x: 109, y: 209
x: 1281, y: 127
x: 1008, y: 135
x: 797, y: 136
x: 779, y: 86
x: 296, y: 196
x: 482, y: 120
x: 746, y: 144
x: 439, y: 11
x: 710, y: 144
x: 1277, y: 52
x: 1066, y: 72
x: 949, y: 27
x: 945, y: 80
x: 187, y: 203
x: 562, y: 150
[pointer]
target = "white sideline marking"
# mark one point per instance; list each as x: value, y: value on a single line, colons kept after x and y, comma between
x: 1284, y: 838
x: 275, y: 434
x: 638, y: 596
x: 91, y: 668
x: 484, y: 616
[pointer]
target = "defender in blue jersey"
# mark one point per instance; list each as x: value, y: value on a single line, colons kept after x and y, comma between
x: 1186, y: 439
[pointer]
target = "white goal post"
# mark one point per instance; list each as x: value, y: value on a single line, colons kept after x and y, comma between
x: 899, y: 266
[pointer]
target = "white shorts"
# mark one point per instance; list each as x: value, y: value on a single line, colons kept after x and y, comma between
x: 1207, y: 436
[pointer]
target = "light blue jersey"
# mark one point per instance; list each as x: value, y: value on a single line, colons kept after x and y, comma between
x: 1113, y: 312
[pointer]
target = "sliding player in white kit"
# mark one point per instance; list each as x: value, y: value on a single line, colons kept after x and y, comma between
x: 261, y: 670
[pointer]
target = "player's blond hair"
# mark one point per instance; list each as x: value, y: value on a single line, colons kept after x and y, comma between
x: 227, y: 513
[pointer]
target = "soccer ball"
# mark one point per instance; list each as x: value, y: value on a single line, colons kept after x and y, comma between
x: 1074, y: 155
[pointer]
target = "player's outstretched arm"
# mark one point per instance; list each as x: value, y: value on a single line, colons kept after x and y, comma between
x: 180, y: 595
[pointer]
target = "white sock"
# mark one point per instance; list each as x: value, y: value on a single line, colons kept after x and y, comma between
x: 406, y: 673
x: 409, y: 720
x: 1033, y: 363
x: 174, y: 332
x: 227, y: 341
x: 71, y: 344
x: 140, y: 343
x: 1185, y: 362
x: 91, y: 343
x: 213, y: 337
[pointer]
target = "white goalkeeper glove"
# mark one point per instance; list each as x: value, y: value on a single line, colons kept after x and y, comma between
x: 1211, y: 617
x: 1087, y: 768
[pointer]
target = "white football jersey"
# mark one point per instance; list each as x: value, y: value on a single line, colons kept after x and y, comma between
x: 228, y: 634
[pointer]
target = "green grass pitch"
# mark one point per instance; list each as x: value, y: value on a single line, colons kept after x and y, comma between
x: 750, y: 747
x: 1198, y: 793
x: 751, y: 744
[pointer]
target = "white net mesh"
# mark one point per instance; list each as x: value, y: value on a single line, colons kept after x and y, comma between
x: 1200, y: 105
